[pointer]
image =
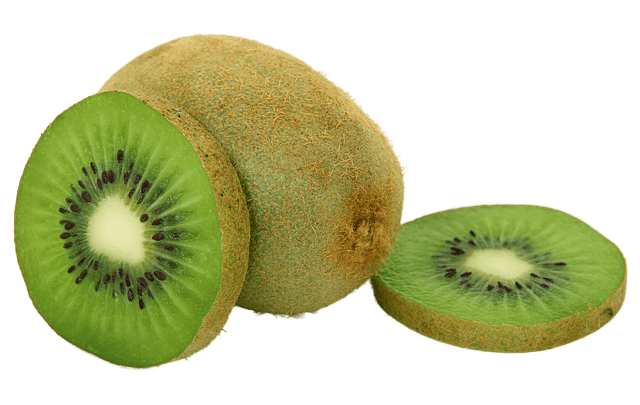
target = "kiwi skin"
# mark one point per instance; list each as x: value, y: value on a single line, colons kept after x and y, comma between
x: 503, y: 339
x: 233, y: 216
x: 323, y: 185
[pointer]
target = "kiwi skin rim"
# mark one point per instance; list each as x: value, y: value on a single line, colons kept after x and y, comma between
x: 497, y: 338
x: 233, y: 216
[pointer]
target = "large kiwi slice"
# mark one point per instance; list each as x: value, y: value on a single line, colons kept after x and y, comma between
x: 504, y: 278
x: 131, y: 230
x: 323, y: 185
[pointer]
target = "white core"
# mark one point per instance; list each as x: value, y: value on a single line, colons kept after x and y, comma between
x: 501, y: 263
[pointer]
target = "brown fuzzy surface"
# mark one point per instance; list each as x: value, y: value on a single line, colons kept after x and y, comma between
x: 232, y: 213
x: 323, y: 186
x: 497, y: 338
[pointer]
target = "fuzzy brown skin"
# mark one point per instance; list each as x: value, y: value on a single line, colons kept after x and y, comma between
x: 323, y: 186
x: 232, y: 213
x: 497, y: 338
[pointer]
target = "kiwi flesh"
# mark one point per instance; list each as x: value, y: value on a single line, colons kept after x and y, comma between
x: 323, y: 186
x: 131, y: 230
x: 502, y: 278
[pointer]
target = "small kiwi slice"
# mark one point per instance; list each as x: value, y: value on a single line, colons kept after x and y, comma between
x: 131, y: 230
x: 323, y: 186
x: 502, y: 278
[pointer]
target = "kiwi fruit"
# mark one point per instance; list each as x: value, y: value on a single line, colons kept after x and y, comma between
x: 324, y: 188
x: 131, y: 230
x: 502, y: 278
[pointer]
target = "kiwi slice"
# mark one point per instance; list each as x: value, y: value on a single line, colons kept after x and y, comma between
x: 131, y: 230
x: 502, y: 278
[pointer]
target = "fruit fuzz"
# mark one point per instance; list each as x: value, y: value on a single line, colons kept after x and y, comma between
x: 323, y: 186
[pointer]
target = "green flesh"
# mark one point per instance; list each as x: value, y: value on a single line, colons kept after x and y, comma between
x: 178, y: 193
x: 492, y: 280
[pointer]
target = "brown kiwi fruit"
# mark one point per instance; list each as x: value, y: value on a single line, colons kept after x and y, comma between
x: 323, y: 186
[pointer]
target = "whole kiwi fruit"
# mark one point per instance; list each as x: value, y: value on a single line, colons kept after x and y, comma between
x: 324, y: 188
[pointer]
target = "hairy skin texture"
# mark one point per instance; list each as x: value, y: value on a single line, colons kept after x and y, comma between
x: 323, y: 186
x: 233, y: 215
x: 497, y: 338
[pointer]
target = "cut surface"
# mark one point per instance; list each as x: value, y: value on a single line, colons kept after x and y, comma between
x: 511, y: 268
x: 117, y: 232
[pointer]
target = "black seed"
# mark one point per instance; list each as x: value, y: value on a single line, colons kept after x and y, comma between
x: 95, y: 265
x: 81, y: 184
x: 144, y: 217
x: 69, y: 200
x: 130, y: 295
x: 127, y: 280
x: 457, y: 240
x: 140, y: 199
x: 160, y: 275
x: 86, y: 196
x: 140, y: 303
x: 500, y: 285
x: 106, y: 279
x: 75, y: 208
x: 544, y: 286
x: 529, y: 286
x: 126, y: 177
x: 149, y: 276
x: 450, y: 274
x: 149, y: 294
x: 535, y: 275
x: 64, y: 235
x: 122, y: 288
x: 94, y: 169
x: 113, y: 294
x: 158, y: 236
x: 121, y: 272
x: 507, y: 288
x: 84, y: 170
x: 99, y: 182
x: 490, y: 287
x: 145, y: 187
x: 71, y: 269
x: 548, y: 279
x: 139, y: 290
x: 142, y: 282
x: 111, y: 176
x: 457, y: 251
x: 465, y: 274
x: 81, y: 276
x: 157, y: 222
x: 67, y: 245
x: 472, y: 243
x: 131, y: 166
x: 472, y: 233
x: 518, y: 285
x: 505, y: 244
x: 97, y: 285
x: 113, y: 277
x: 133, y: 190
x: 120, y: 156
x: 137, y: 179
x: 63, y: 211
x: 169, y: 248
x: 463, y: 282
x: 175, y: 234
x: 469, y: 285
x: 560, y: 264
x: 105, y: 177
x: 69, y: 225
x: 82, y: 261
